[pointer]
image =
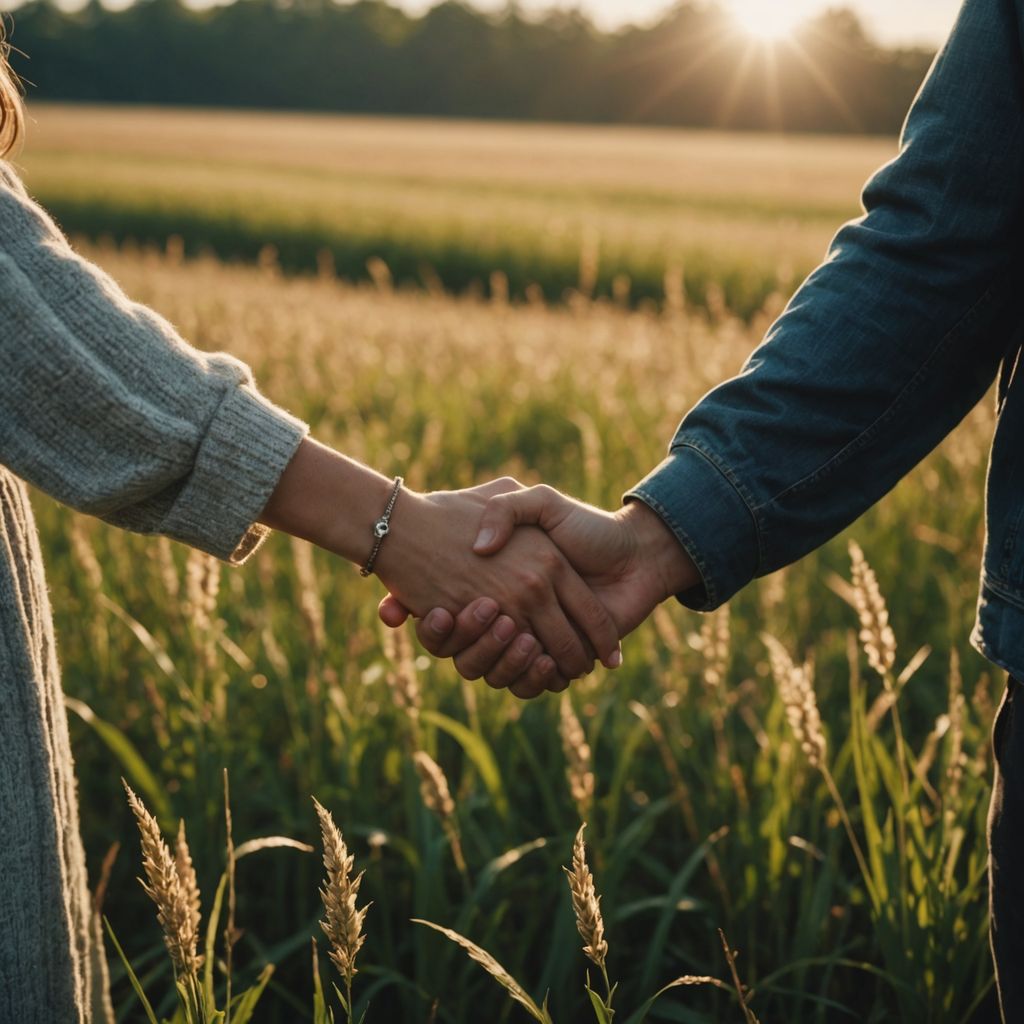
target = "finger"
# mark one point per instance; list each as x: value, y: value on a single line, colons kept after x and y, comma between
x: 514, y: 662
x: 392, y: 612
x: 538, y: 506
x: 542, y: 676
x: 434, y: 629
x: 444, y: 635
x: 477, y: 660
x: 560, y: 639
x: 590, y: 617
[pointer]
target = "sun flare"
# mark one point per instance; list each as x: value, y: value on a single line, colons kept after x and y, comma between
x: 766, y: 21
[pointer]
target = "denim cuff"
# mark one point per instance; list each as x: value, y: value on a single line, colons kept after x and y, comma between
x: 710, y: 518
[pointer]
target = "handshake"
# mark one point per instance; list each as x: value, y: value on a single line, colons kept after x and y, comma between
x: 526, y: 587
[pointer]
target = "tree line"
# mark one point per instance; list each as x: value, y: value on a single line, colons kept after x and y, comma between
x: 692, y: 67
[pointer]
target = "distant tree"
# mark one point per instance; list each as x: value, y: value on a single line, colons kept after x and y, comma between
x: 692, y: 67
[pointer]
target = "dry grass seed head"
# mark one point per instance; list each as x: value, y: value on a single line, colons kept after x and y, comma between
x: 957, y: 714
x: 797, y: 692
x: 343, y: 924
x: 876, y: 634
x: 177, y: 906
x: 714, y: 645
x: 310, y: 605
x: 586, y: 903
x: 402, y: 678
x: 433, y: 785
x: 578, y: 759
x: 85, y: 554
x: 202, y: 584
x: 187, y: 874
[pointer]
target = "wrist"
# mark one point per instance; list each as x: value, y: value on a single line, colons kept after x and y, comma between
x: 664, y: 559
x: 329, y: 500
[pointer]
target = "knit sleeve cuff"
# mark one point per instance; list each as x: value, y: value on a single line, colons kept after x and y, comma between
x: 706, y: 511
x: 246, y: 448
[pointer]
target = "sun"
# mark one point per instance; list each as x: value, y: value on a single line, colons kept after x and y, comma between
x: 769, y: 21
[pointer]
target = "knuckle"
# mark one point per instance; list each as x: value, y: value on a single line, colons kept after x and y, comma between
x: 534, y: 584
x: 552, y: 560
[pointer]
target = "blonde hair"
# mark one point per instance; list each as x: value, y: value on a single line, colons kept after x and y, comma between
x: 12, y: 117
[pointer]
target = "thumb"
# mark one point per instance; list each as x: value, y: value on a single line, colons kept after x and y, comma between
x: 535, y: 506
x: 392, y: 612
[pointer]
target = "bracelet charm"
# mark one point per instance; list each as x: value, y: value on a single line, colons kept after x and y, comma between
x: 382, y: 528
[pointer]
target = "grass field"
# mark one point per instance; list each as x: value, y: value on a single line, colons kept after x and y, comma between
x: 705, y: 812
x: 445, y: 204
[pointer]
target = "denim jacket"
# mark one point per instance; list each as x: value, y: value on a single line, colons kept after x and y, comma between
x: 917, y: 308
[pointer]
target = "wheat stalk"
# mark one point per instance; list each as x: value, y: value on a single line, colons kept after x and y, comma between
x: 310, y: 605
x: 714, y: 646
x: 875, y: 632
x: 586, y: 903
x: 801, y: 704
x: 343, y: 924
x: 85, y: 553
x: 187, y: 873
x: 438, y: 798
x: 433, y: 785
x: 741, y: 990
x: 176, y: 910
x: 402, y: 680
x: 957, y: 713
x: 579, y: 769
x: 805, y: 720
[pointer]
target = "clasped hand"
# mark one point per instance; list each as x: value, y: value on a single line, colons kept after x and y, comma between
x: 551, y: 602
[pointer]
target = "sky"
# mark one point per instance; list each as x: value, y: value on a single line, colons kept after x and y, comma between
x: 891, y: 21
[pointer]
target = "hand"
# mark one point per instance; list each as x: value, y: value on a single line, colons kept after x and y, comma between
x: 630, y: 558
x: 427, y: 562
x: 331, y: 500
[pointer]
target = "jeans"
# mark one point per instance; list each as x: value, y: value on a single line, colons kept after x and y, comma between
x: 1006, y: 848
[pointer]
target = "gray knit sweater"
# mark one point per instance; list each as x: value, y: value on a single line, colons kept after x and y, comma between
x: 104, y: 407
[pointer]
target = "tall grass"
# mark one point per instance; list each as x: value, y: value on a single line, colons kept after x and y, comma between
x: 447, y: 204
x: 705, y: 810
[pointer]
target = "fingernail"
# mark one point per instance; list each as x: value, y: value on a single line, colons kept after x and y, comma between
x: 486, y: 610
x: 484, y: 537
x: 615, y: 661
x: 504, y: 629
x: 545, y: 665
x: 437, y: 621
x: 524, y: 644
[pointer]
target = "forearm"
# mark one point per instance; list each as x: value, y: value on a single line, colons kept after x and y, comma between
x: 885, y: 347
x: 330, y: 500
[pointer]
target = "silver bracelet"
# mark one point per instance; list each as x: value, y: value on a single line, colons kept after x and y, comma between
x: 382, y: 528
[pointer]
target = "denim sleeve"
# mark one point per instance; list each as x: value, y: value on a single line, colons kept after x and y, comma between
x: 884, y: 348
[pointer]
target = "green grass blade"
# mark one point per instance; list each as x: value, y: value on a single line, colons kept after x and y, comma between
x: 479, y: 752
x: 136, y: 984
x: 131, y: 761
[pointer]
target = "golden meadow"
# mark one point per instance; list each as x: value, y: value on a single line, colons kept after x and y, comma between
x: 808, y: 773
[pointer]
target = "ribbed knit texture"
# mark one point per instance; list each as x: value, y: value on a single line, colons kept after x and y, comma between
x: 104, y: 407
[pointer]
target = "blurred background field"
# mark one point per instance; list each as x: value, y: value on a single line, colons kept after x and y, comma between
x: 704, y: 814
x: 445, y: 204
